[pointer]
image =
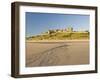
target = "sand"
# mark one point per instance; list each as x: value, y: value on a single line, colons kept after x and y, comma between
x: 57, y: 53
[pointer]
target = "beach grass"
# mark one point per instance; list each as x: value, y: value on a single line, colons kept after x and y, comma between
x: 61, y: 36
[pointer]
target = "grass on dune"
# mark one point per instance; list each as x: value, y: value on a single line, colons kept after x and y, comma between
x: 61, y: 36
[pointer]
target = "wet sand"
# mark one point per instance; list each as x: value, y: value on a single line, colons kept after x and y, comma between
x: 57, y: 53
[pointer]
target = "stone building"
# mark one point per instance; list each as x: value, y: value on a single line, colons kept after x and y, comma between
x: 69, y: 29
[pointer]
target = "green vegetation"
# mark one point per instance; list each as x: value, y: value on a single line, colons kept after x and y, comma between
x: 61, y: 36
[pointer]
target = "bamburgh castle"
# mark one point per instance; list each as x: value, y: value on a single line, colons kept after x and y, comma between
x: 66, y: 30
x: 69, y: 29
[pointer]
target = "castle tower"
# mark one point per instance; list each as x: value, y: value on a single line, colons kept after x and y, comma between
x: 70, y: 29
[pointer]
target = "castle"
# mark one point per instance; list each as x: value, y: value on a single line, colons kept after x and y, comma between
x: 66, y: 30
x: 69, y: 29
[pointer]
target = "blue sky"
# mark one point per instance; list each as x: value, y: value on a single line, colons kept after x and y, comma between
x: 36, y: 23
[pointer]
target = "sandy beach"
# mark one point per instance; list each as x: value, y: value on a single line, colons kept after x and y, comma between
x: 57, y: 53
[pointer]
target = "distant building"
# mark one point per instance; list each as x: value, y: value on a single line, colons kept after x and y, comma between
x: 69, y: 29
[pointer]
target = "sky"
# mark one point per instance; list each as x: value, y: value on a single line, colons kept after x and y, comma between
x: 36, y: 23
